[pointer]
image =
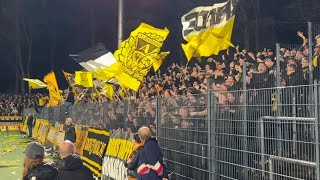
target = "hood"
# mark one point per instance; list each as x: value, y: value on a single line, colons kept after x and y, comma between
x: 70, y: 163
x: 151, y: 140
x: 46, y: 171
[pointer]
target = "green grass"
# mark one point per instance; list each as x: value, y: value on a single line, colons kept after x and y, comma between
x: 11, y: 155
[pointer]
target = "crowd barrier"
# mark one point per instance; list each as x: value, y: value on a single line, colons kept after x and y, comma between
x: 10, y: 123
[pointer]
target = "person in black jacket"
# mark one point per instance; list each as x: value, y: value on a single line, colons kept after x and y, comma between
x: 71, y: 166
x: 132, y: 162
x: 34, y: 166
x: 30, y: 124
x: 70, y: 131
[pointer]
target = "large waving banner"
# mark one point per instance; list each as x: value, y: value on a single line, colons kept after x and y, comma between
x: 138, y: 53
x: 113, y: 162
x: 208, y: 30
x: 53, y: 88
x: 94, y: 149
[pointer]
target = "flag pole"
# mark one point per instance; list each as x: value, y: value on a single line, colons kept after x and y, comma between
x: 120, y: 22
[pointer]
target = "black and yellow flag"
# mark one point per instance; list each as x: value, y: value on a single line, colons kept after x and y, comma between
x: 208, y: 30
x: 54, y: 93
x: 138, y: 53
x: 84, y: 79
x: 158, y: 62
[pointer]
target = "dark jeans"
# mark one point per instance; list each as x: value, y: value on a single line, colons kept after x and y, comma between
x: 30, y: 131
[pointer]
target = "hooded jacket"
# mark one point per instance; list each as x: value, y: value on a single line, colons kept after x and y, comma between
x: 72, y: 167
x: 150, y: 164
x: 133, y: 165
x: 43, y: 172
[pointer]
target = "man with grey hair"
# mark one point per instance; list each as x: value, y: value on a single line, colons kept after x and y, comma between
x: 150, y: 164
x: 70, y: 165
x: 70, y: 131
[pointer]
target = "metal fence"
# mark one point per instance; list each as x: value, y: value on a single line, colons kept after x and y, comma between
x: 269, y: 133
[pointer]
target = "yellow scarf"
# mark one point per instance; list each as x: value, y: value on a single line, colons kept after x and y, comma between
x: 315, y: 61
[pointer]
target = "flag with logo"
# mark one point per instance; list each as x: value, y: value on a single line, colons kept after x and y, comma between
x: 99, y: 61
x: 138, y: 53
x: 54, y: 93
x: 208, y: 30
x: 35, y: 83
x: 84, y: 79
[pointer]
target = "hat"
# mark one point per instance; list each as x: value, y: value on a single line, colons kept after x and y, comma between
x: 34, y: 150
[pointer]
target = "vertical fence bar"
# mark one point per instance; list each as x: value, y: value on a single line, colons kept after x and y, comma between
x: 316, y: 115
x: 310, y: 40
x: 210, y: 118
x: 158, y: 114
x: 278, y: 99
x: 245, y: 119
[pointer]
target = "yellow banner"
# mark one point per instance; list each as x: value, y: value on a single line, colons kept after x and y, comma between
x: 138, y: 53
x: 53, y: 88
x: 84, y: 79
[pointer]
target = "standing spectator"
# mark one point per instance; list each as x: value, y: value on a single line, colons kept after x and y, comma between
x: 70, y: 131
x: 71, y: 166
x: 34, y: 166
x: 150, y: 162
x: 30, y: 124
x: 132, y: 162
x: 316, y: 62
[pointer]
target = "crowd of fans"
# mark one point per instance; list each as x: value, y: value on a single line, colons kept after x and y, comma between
x: 13, y: 105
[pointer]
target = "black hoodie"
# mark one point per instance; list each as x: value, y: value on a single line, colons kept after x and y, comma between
x: 43, y: 172
x: 72, y: 167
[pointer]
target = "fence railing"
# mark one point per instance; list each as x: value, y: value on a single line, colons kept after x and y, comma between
x: 269, y: 133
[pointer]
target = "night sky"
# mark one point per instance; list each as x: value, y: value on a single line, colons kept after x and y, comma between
x: 62, y: 27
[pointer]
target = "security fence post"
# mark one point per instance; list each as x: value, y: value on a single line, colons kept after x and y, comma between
x: 316, y: 115
x: 158, y: 114
x: 278, y: 99
x: 211, y: 131
x: 310, y: 41
x: 245, y: 119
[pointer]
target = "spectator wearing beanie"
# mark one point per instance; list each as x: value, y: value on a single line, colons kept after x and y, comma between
x: 34, y: 166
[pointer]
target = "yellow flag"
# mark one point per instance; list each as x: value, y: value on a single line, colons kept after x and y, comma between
x: 138, y: 53
x: 53, y: 88
x: 208, y: 30
x: 67, y: 75
x: 35, y: 83
x: 158, y: 62
x: 83, y: 79
x: 107, y: 89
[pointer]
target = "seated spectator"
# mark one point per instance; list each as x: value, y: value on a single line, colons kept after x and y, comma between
x: 70, y: 165
x: 34, y: 166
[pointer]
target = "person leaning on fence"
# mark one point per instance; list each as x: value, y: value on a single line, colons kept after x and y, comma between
x: 70, y: 131
x: 34, y: 166
x: 150, y: 164
x: 132, y: 162
x: 70, y: 165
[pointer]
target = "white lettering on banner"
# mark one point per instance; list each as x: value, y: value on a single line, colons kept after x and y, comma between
x: 113, y: 168
x: 201, y: 18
